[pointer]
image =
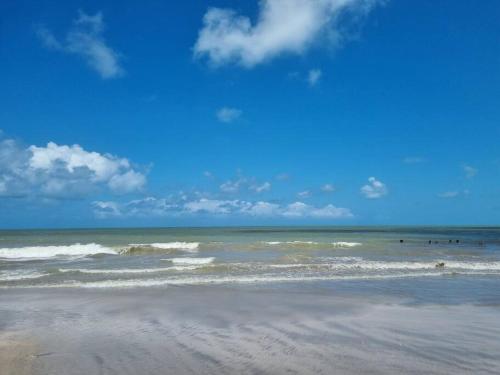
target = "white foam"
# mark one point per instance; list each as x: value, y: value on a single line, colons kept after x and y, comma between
x: 20, y: 275
x: 191, y: 261
x: 346, y: 244
x: 355, y: 263
x: 129, y: 270
x: 226, y: 280
x: 42, y: 252
x: 187, y: 246
x: 291, y: 242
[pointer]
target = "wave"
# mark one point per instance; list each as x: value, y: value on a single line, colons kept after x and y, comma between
x: 354, y: 263
x: 129, y: 270
x: 346, y: 244
x: 191, y: 261
x: 136, y: 283
x: 43, y: 252
x: 20, y: 275
x: 184, y: 246
x: 346, y: 264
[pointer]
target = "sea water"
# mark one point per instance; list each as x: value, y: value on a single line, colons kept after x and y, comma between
x: 428, y: 263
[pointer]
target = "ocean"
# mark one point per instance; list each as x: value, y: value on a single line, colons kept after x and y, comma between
x: 394, y: 258
x: 273, y: 300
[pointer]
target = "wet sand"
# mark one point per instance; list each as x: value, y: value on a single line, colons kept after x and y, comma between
x: 240, y: 330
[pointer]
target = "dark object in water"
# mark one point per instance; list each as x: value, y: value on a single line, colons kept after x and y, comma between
x: 430, y: 241
x: 457, y: 241
x: 440, y: 265
x: 449, y: 241
x: 401, y: 241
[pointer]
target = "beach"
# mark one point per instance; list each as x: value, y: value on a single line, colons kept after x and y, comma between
x: 250, y: 301
x: 200, y: 330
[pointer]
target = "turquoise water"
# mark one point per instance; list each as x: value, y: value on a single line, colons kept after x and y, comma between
x: 402, y: 259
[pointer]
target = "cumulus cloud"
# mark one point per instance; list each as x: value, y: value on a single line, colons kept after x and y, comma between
x: 470, y: 172
x: 216, y: 207
x: 282, y: 27
x: 228, y: 115
x: 314, y: 76
x: 60, y: 171
x: 374, y: 189
x: 85, y: 39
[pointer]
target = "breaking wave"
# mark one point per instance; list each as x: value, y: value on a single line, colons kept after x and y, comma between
x: 121, y: 271
x: 20, y: 275
x: 191, y: 261
x: 148, y: 247
x: 42, y: 252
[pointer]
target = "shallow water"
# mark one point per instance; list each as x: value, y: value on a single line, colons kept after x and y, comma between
x: 395, y: 260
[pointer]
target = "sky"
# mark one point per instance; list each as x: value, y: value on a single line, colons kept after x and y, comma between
x: 271, y: 112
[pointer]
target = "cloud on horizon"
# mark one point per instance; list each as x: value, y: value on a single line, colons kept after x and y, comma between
x: 216, y: 207
x: 85, y: 39
x: 282, y: 27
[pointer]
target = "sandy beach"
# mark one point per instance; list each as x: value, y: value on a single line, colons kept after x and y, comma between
x: 223, y: 330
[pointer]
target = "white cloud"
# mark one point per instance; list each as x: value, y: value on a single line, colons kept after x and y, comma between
x: 282, y: 27
x: 449, y: 194
x: 231, y: 186
x: 228, y: 115
x: 314, y: 76
x: 85, y: 40
x: 374, y: 189
x: 213, y: 206
x: 304, y: 194
x: 299, y: 209
x: 241, y: 183
x: 162, y: 207
x: 266, y: 186
x: 327, y: 188
x: 127, y: 182
x: 470, y: 171
x: 61, y: 171
x: 260, y: 209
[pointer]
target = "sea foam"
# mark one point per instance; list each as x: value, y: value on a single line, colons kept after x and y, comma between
x: 186, y: 246
x: 41, y: 252
x: 191, y: 261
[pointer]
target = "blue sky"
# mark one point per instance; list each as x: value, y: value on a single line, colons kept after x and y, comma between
x: 249, y: 113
